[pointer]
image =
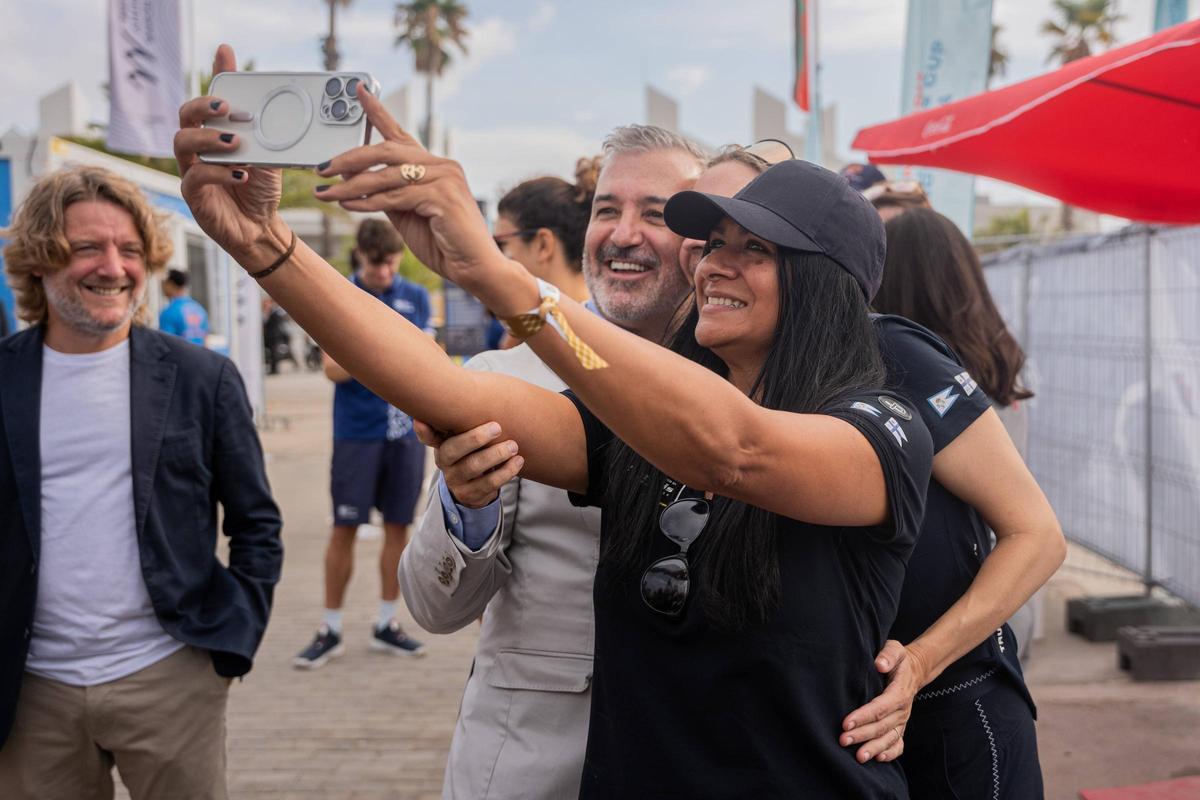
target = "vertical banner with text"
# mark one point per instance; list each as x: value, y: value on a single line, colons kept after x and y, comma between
x: 146, y: 82
x: 946, y: 52
x: 1168, y: 13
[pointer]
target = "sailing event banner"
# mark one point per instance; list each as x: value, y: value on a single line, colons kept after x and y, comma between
x: 145, y: 81
x: 946, y: 52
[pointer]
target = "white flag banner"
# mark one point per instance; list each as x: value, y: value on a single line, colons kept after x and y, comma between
x: 145, y: 82
x: 946, y: 51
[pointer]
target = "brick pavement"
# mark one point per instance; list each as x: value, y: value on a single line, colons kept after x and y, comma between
x: 367, y: 726
x: 370, y: 726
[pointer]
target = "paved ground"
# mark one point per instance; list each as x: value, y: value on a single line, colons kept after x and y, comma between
x: 371, y: 726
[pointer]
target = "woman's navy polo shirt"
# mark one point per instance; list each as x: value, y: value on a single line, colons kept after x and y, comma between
x: 954, y: 539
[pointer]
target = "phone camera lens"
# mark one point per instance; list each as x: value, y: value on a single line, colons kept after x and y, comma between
x: 352, y: 87
x: 339, y: 109
x: 333, y: 87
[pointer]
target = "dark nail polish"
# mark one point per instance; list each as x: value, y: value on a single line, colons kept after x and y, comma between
x: 322, y: 165
x: 323, y: 188
x: 226, y: 137
x: 238, y: 174
x: 214, y: 105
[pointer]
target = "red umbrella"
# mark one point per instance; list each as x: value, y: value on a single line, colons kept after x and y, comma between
x: 1117, y: 133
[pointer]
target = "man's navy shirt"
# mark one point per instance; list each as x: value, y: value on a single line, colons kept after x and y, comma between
x: 954, y: 539
x: 360, y: 414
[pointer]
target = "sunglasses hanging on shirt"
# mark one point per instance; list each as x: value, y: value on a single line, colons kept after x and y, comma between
x: 666, y: 583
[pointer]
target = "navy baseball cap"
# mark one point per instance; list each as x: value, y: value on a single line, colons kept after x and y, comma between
x: 862, y: 176
x: 799, y: 206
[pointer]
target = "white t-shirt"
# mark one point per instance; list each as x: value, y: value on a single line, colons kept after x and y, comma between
x: 93, y: 621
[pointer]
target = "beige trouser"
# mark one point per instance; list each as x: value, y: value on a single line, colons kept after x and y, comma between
x: 163, y: 727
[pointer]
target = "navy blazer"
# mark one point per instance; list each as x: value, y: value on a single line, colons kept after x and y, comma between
x: 194, y: 446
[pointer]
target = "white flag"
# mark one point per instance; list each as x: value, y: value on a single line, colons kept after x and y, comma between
x: 145, y: 83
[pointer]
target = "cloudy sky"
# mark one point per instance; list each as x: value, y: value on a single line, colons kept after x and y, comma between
x: 543, y: 81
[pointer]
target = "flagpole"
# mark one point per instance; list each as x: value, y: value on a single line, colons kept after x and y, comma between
x: 194, y: 80
x: 813, y: 151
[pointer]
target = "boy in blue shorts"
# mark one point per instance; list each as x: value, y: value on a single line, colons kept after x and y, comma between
x: 377, y: 462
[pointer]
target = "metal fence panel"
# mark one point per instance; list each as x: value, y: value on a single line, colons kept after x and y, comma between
x: 1111, y: 329
x: 1175, y: 281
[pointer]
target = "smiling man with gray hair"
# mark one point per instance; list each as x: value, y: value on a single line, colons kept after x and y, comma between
x: 517, y: 552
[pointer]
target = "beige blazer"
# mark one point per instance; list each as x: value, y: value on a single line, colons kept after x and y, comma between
x: 523, y: 724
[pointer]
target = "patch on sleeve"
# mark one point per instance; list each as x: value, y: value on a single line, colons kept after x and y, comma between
x: 967, y: 383
x: 866, y: 407
x: 944, y: 400
x: 896, y: 430
x: 896, y: 407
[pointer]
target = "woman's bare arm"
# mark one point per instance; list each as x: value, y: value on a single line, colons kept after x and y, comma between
x: 983, y: 469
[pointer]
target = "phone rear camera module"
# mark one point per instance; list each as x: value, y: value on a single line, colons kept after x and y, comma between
x: 339, y: 109
x: 333, y: 87
x: 352, y: 87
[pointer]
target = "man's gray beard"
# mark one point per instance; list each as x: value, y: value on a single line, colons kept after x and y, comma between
x: 76, y: 316
x: 634, y: 311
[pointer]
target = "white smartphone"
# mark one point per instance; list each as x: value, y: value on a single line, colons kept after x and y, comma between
x: 289, y: 119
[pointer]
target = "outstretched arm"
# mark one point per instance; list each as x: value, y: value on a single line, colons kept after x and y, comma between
x: 983, y: 469
x: 238, y: 209
x: 683, y: 418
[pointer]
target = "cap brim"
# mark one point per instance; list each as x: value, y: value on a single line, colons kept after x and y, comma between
x: 693, y: 215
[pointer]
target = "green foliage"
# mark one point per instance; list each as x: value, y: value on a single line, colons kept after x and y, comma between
x: 412, y: 269
x: 1080, y: 26
x: 428, y: 28
x: 1014, y: 224
x: 167, y: 165
x: 998, y: 56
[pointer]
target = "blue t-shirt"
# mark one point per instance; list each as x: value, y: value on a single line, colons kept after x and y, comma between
x: 360, y: 414
x: 186, y: 318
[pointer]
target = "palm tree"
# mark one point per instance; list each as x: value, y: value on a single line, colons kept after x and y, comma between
x: 429, y: 27
x: 998, y: 56
x: 333, y: 60
x: 1080, y: 26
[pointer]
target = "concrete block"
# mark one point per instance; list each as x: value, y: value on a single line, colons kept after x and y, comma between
x: 1157, y: 653
x: 1098, y: 619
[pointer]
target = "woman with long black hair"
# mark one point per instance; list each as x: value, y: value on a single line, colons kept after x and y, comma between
x: 971, y: 732
x: 760, y: 492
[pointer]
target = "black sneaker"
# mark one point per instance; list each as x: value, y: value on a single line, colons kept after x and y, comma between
x: 325, y: 646
x: 392, y: 639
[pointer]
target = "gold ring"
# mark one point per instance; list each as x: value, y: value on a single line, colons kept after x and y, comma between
x: 412, y: 172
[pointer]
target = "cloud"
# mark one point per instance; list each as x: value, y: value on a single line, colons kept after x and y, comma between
x: 541, y: 17
x: 496, y: 159
x: 687, y: 78
x: 491, y: 39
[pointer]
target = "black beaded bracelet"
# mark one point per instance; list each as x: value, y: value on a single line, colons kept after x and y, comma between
x: 278, y: 263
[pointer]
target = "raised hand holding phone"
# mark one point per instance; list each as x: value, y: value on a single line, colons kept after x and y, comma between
x: 428, y: 200
x: 236, y: 206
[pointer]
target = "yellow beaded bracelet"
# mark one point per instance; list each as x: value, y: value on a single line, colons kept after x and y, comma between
x: 525, y: 325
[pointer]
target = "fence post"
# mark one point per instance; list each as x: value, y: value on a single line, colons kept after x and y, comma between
x: 1148, y: 570
x: 1026, y: 299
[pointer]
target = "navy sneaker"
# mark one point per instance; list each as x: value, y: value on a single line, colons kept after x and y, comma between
x: 325, y: 646
x: 392, y: 639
